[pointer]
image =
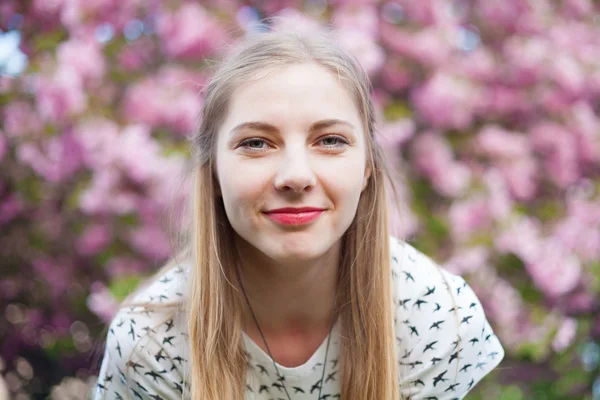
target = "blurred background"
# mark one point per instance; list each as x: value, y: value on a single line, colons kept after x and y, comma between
x: 488, y: 110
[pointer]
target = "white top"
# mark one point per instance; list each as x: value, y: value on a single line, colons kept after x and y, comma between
x: 441, y: 356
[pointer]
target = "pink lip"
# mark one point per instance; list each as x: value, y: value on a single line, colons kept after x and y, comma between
x: 294, y: 216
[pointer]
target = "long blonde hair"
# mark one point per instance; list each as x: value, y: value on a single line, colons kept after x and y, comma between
x: 214, y: 306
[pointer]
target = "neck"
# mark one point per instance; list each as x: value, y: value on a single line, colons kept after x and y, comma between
x: 294, y: 298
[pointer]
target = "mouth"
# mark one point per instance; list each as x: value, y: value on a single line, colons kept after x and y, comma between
x: 294, y: 216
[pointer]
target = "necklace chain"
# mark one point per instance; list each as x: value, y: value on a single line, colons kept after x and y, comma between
x: 279, y: 375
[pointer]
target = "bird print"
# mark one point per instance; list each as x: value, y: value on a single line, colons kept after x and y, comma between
x: 147, y: 350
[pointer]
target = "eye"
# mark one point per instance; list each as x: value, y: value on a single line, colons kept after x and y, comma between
x: 334, y: 141
x: 254, y: 144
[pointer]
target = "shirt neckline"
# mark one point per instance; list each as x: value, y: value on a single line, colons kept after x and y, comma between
x: 302, y: 370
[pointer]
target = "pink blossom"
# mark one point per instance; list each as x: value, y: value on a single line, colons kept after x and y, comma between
x: 392, y: 135
x: 467, y: 260
x: 97, y: 136
x: 433, y: 156
x: 363, y: 19
x: 289, y: 19
x: 525, y: 57
x: 468, y: 216
x: 556, y: 271
x: 567, y: 72
x: 20, y: 119
x: 84, y: 57
x: 446, y: 101
x: 56, y: 159
x: 522, y: 176
x: 61, y: 95
x: 56, y: 273
x: 520, y: 236
x: 168, y: 99
x: 503, y: 101
x: 429, y: 46
x: 579, y: 231
x: 10, y: 207
x: 498, y: 142
x: 578, y: 8
x: 364, y: 48
x: 121, y: 266
x: 3, y: 145
x: 135, y: 55
x: 499, y: 201
x: 586, y: 125
x: 394, y: 75
x: 190, y: 32
x: 151, y: 241
x: 478, y: 64
x: 565, y: 334
x: 94, y: 239
x: 559, y: 147
x: 104, y: 195
x: 101, y: 302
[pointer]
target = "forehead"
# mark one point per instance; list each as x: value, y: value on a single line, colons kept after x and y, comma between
x: 293, y: 95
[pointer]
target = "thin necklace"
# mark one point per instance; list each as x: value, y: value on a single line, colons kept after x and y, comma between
x: 279, y: 375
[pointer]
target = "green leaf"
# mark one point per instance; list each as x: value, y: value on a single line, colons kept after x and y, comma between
x: 121, y: 288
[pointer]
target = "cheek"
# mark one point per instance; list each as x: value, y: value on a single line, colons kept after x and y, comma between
x: 238, y: 188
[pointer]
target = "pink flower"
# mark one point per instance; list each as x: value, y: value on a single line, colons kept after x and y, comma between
x: 94, y: 239
x: 150, y: 241
x: 433, y: 157
x: 190, y: 32
x: 467, y: 260
x: 121, y: 266
x: 290, y: 19
x: 468, y: 216
x: 20, y: 119
x: 560, y: 152
x: 522, y: 237
x: 61, y: 95
x: 136, y: 54
x: 429, y: 46
x: 513, y: 153
x: 364, y: 48
x: 586, y: 125
x: 168, y: 99
x: 392, y: 135
x: 363, y: 19
x: 101, y: 302
x: 565, y: 334
x: 10, y: 207
x: 84, y: 57
x: 499, y: 201
x: 394, y: 75
x: 3, y: 145
x: 553, y: 261
x: 446, y: 101
x: 56, y: 159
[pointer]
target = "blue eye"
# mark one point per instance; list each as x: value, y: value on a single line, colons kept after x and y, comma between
x: 334, y: 141
x: 253, y: 144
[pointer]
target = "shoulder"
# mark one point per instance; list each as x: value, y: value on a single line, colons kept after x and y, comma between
x: 145, y: 353
x: 446, y: 344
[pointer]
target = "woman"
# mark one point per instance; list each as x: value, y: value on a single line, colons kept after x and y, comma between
x: 291, y: 286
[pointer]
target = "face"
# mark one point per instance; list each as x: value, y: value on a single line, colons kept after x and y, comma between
x: 292, y: 139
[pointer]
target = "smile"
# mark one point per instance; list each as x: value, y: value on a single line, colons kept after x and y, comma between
x: 294, y: 218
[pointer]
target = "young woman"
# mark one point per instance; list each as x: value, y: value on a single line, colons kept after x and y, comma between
x: 291, y: 286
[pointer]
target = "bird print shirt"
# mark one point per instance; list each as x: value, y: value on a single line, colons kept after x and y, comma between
x: 445, y: 344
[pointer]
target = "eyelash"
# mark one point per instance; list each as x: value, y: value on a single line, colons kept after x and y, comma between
x: 341, y: 142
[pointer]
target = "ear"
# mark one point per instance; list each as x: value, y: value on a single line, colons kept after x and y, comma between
x: 366, y: 177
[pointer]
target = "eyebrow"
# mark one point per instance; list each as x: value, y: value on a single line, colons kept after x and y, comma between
x: 266, y: 127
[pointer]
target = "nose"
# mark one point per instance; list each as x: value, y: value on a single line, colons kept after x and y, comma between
x: 294, y: 172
